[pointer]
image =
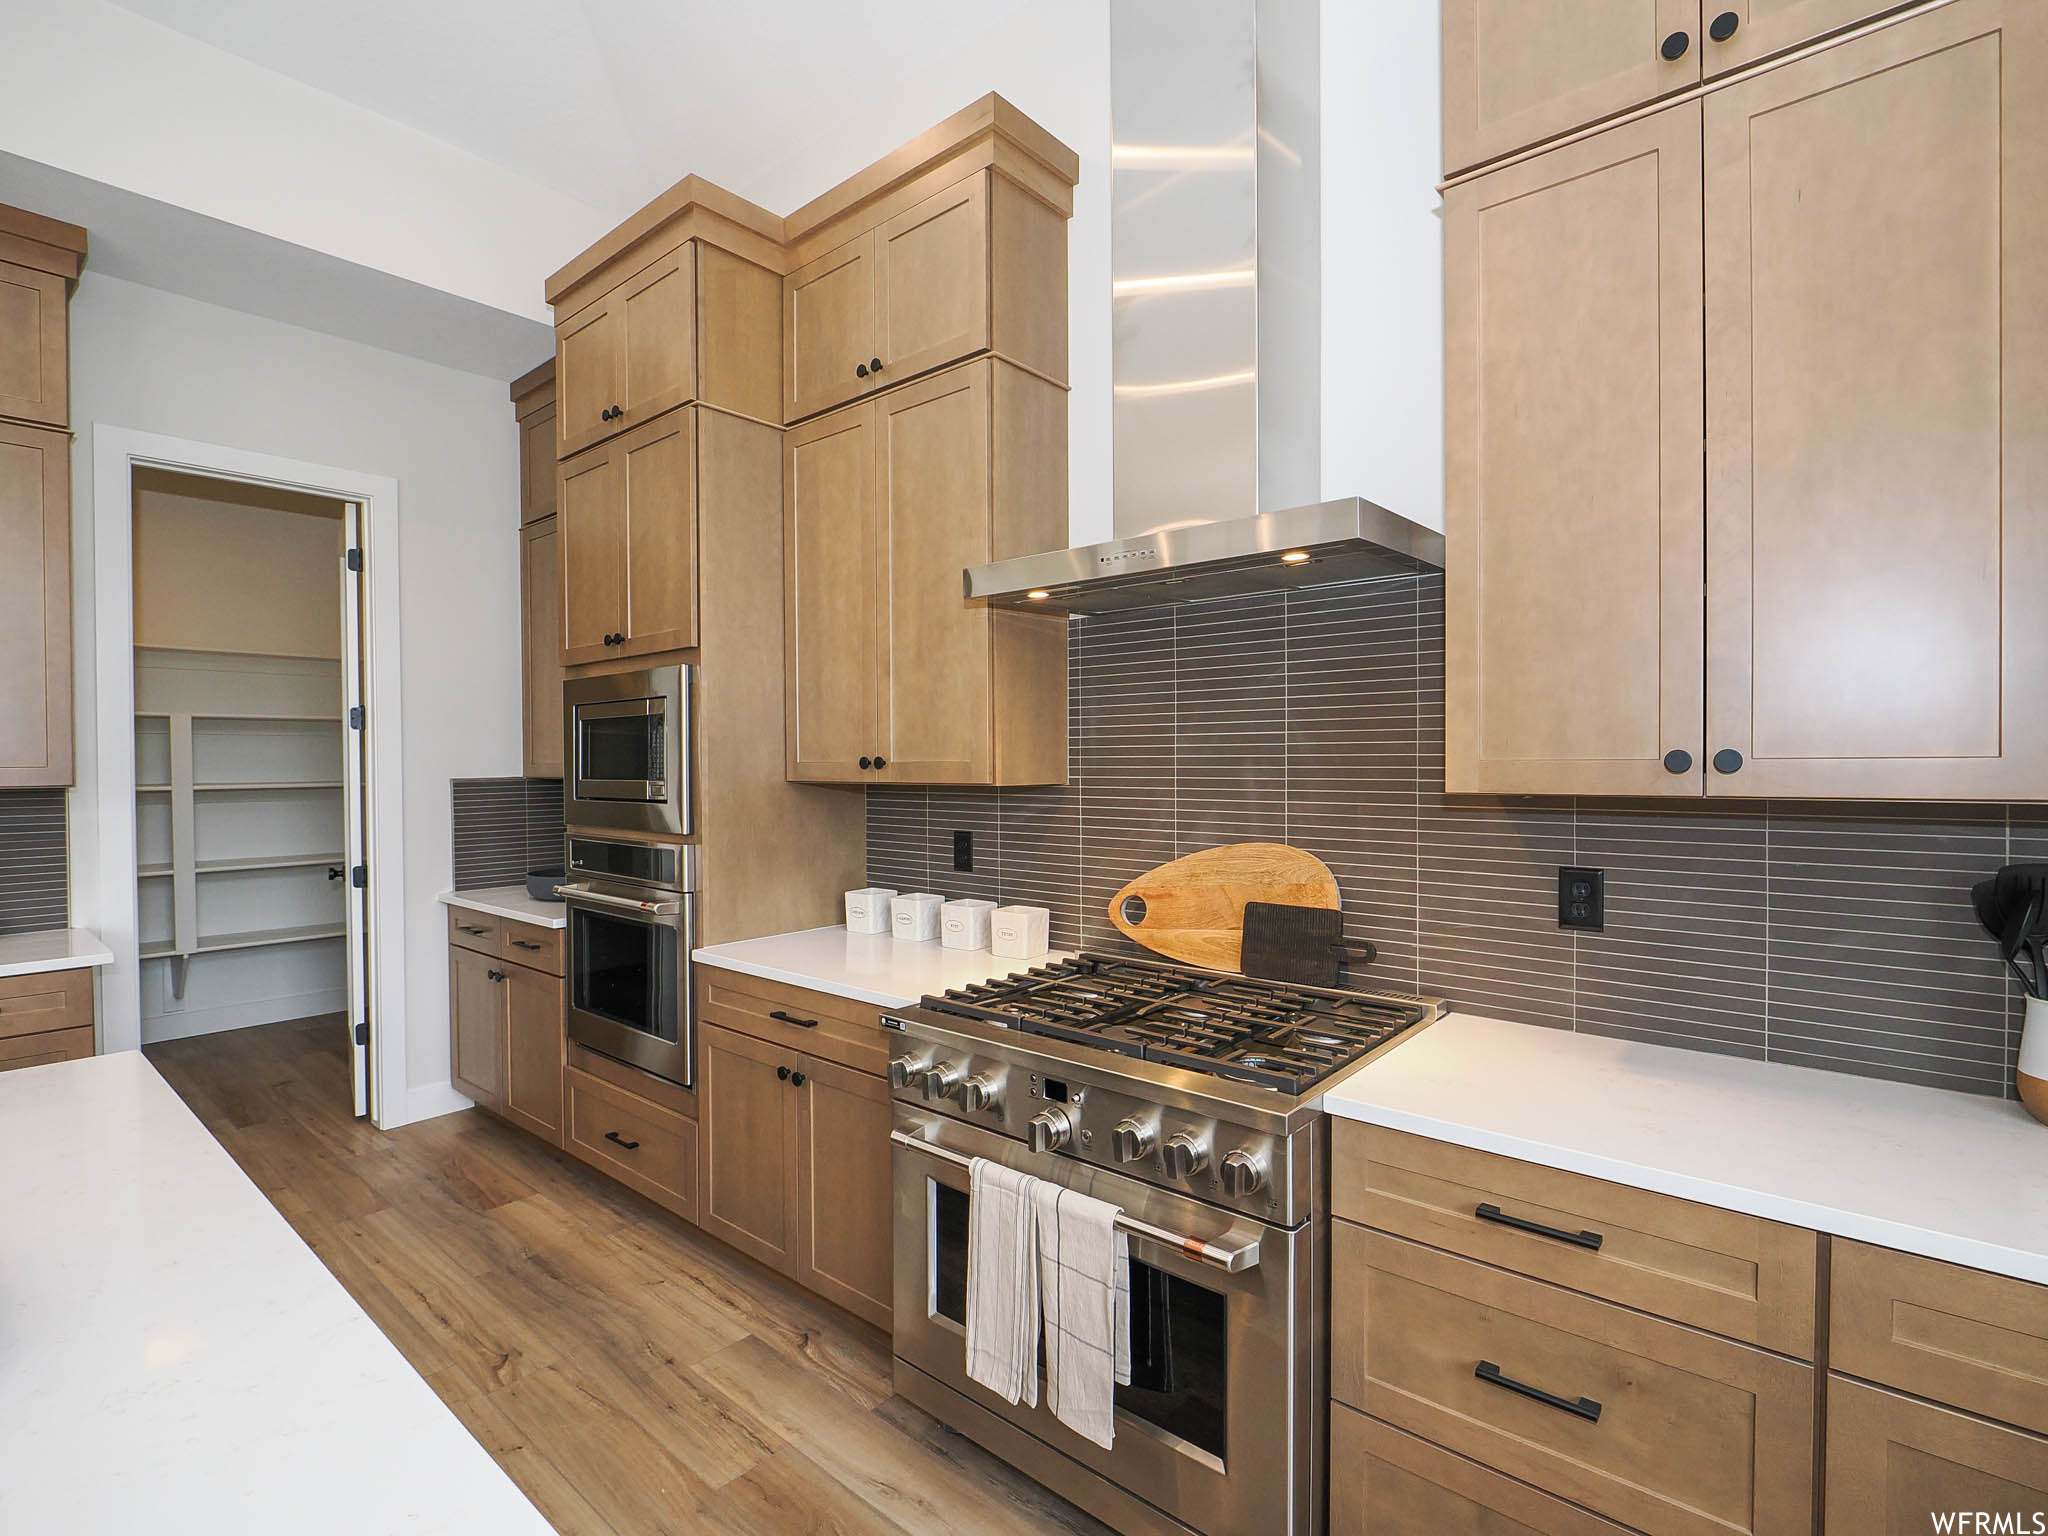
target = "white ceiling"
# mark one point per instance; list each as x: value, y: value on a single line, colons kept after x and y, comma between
x: 607, y: 101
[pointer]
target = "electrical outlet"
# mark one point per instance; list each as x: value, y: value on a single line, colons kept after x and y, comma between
x: 1582, y: 898
x: 963, y: 850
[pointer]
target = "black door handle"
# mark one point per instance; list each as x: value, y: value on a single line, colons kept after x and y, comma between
x: 1675, y: 46
x: 1493, y: 1213
x: 334, y: 872
x: 1723, y: 26
x: 867, y: 762
x: 495, y: 975
x: 1678, y: 760
x: 790, y: 1018
x: 782, y: 1073
x: 881, y: 762
x: 524, y: 944
x: 1585, y: 1407
x: 614, y: 1136
x: 1727, y: 760
x: 874, y: 365
x: 860, y: 370
x: 796, y: 1079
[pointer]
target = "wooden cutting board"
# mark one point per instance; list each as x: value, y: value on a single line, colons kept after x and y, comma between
x: 1192, y: 909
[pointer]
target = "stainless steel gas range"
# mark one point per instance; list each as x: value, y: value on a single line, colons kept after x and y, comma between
x: 1192, y: 1099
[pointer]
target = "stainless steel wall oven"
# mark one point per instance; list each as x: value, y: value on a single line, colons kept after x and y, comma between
x: 632, y: 926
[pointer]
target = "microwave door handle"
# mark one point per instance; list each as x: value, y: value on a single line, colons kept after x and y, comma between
x: 584, y: 894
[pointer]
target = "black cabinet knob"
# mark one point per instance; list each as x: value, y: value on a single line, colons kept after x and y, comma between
x: 796, y: 1079
x: 1723, y: 26
x: 874, y: 365
x: 1675, y: 46
x: 860, y: 370
x: 495, y: 975
x: 867, y: 762
x: 1727, y: 760
x: 1678, y: 760
x: 881, y: 762
x: 783, y: 1073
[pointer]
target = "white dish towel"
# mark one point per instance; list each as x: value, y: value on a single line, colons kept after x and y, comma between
x: 1085, y: 1277
x: 1002, y: 1281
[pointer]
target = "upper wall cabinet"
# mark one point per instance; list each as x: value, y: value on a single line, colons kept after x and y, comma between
x: 533, y: 403
x: 696, y: 323
x: 1849, y: 616
x: 35, y: 348
x: 628, y: 543
x: 1517, y: 72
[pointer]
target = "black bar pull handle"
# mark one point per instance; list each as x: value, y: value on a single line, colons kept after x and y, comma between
x: 1585, y: 1407
x: 790, y: 1018
x: 630, y: 1146
x: 524, y: 944
x: 1493, y: 1213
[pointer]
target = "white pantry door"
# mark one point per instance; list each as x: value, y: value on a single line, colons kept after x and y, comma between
x: 354, y: 733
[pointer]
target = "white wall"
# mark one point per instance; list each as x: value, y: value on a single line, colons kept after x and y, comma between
x: 1052, y: 60
x: 100, y: 92
x: 155, y: 362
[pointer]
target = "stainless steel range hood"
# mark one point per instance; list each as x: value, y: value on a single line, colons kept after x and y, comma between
x: 1348, y: 540
x: 1216, y: 267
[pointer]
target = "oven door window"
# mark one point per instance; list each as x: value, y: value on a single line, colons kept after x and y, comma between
x: 625, y: 971
x: 1180, y: 1354
x: 620, y: 748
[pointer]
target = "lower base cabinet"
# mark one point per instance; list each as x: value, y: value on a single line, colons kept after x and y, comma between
x: 646, y: 1146
x: 505, y: 1024
x: 1896, y: 1465
x: 45, y: 1017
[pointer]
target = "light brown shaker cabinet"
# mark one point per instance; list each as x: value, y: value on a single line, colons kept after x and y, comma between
x: 893, y: 675
x: 628, y: 530
x: 35, y: 605
x: 1867, y: 258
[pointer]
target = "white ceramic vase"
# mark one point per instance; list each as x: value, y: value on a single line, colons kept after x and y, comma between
x: 2033, y: 1072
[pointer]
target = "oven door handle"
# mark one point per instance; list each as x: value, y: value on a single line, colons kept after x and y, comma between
x: 583, y: 894
x: 1234, y: 1259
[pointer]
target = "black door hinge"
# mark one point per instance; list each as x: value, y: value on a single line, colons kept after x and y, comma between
x: 355, y: 559
x: 355, y: 717
x: 363, y: 1032
x: 359, y: 876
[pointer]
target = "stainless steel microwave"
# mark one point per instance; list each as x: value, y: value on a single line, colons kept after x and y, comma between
x: 629, y: 751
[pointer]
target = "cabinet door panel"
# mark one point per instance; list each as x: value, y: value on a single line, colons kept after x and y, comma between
x: 588, y: 379
x: 844, y: 1246
x: 659, y: 467
x: 828, y: 328
x: 932, y: 505
x: 540, y: 571
x: 35, y: 606
x: 1895, y: 1464
x: 35, y: 346
x: 931, y: 281
x: 749, y: 1145
x: 658, y: 320
x: 829, y: 596
x: 534, y: 1051
x: 1764, y: 27
x: 1516, y: 71
x: 1877, y: 374
x: 592, y: 528
x: 537, y: 469
x: 476, y: 1007
x: 1572, y: 296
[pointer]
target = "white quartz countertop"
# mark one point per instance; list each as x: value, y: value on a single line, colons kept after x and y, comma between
x: 510, y: 901
x: 178, y: 1361
x: 60, y: 949
x: 867, y: 967
x: 1950, y: 1175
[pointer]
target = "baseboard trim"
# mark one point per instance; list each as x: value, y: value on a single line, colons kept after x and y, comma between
x: 159, y: 1027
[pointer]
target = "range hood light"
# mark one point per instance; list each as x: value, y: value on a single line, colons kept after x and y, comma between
x: 1037, y: 594
x: 1294, y: 556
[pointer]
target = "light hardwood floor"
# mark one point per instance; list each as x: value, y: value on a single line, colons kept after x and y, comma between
x: 631, y: 1374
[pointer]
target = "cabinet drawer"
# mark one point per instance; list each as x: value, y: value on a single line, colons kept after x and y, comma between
x: 41, y: 1050
x: 642, y: 1145
x: 1661, y: 1427
x: 1738, y: 1275
x: 35, y: 1005
x: 475, y: 930
x: 530, y: 944
x: 1894, y: 1463
x: 1961, y: 1336
x: 830, y: 1028
x: 1386, y: 1483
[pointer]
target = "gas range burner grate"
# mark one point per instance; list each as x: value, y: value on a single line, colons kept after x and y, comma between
x: 1269, y: 1034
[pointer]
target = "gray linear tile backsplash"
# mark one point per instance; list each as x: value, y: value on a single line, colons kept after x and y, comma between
x: 504, y: 827
x: 1828, y: 935
x: 35, y: 870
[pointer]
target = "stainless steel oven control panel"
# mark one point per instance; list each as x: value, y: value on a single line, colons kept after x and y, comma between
x: 1093, y: 1117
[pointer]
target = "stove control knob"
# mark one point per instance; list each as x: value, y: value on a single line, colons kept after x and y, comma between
x: 940, y: 1079
x: 982, y: 1091
x: 1132, y: 1139
x: 1050, y: 1129
x: 1243, y: 1173
x: 904, y: 1070
x: 1184, y: 1155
